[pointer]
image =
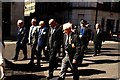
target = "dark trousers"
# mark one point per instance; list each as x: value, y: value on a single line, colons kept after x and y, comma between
x: 39, y: 55
x: 66, y: 62
x: 97, y: 47
x: 33, y: 52
x: 53, y: 61
x: 45, y: 53
x: 82, y: 52
x: 22, y: 47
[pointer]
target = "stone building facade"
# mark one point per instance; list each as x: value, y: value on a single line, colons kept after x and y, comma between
x: 11, y: 12
x: 105, y: 13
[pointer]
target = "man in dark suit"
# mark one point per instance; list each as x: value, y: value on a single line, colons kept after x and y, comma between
x: 32, y: 40
x: 89, y: 31
x: 42, y: 33
x: 53, y: 45
x: 97, y: 38
x: 21, y: 41
x: 83, y: 33
x: 71, y: 51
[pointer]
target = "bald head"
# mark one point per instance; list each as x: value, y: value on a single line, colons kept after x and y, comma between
x: 33, y: 21
x: 52, y: 23
x: 41, y: 23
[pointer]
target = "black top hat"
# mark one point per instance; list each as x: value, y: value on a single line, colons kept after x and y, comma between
x: 83, y: 21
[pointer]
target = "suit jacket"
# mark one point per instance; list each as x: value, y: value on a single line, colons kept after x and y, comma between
x: 42, y: 36
x: 56, y: 38
x: 72, y: 47
x: 22, y: 36
x: 98, y: 37
x: 32, y: 39
x: 85, y: 36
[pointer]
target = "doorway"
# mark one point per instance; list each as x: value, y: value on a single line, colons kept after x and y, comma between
x: 110, y: 25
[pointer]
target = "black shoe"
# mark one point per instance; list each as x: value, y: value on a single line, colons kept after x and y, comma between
x: 49, y: 77
x: 30, y: 63
x: 25, y: 58
x: 94, y: 55
x: 60, y: 78
x: 15, y: 59
x: 56, y: 66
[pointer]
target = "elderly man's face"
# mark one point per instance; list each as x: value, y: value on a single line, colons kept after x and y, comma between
x: 41, y: 25
x: 33, y: 23
x: 67, y: 31
x: 52, y: 24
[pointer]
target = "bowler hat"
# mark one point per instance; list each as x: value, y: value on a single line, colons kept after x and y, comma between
x: 83, y: 21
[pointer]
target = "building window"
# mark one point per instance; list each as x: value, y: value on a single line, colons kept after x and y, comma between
x: 117, y: 26
x: 110, y: 25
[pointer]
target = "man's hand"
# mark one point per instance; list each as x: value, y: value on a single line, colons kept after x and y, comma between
x: 2, y: 72
x: 74, y: 61
x: 29, y: 43
x: 46, y: 48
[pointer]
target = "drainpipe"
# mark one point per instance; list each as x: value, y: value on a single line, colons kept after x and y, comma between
x: 96, y: 13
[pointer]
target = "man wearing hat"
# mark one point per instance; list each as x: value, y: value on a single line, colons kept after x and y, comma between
x: 71, y: 51
x: 83, y: 33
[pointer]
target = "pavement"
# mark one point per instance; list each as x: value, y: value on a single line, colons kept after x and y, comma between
x: 102, y: 67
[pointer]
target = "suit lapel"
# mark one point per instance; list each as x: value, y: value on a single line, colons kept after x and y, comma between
x: 64, y: 38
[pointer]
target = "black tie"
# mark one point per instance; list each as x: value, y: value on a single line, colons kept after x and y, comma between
x: 19, y: 31
x: 67, y: 41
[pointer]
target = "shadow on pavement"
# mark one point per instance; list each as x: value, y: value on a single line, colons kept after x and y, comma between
x: 24, y: 67
x: 109, y: 49
x: 111, y: 54
x: 87, y: 72
x: 102, y: 61
x: 24, y: 77
x: 103, y: 79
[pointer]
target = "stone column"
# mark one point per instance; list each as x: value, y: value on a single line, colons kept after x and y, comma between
x: 0, y: 21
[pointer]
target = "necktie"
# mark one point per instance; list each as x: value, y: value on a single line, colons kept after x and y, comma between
x: 31, y: 31
x: 97, y: 31
x: 39, y: 34
x: 40, y: 40
x: 82, y: 31
x: 19, y: 31
x: 52, y: 30
x: 50, y: 38
x: 67, y: 40
x: 67, y: 44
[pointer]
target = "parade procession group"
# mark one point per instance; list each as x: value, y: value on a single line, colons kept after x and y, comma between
x: 50, y: 39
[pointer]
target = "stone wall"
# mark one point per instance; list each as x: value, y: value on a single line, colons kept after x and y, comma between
x: 0, y: 21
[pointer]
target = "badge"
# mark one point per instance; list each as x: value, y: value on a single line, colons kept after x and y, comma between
x: 22, y: 32
x: 44, y: 32
x: 73, y: 45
